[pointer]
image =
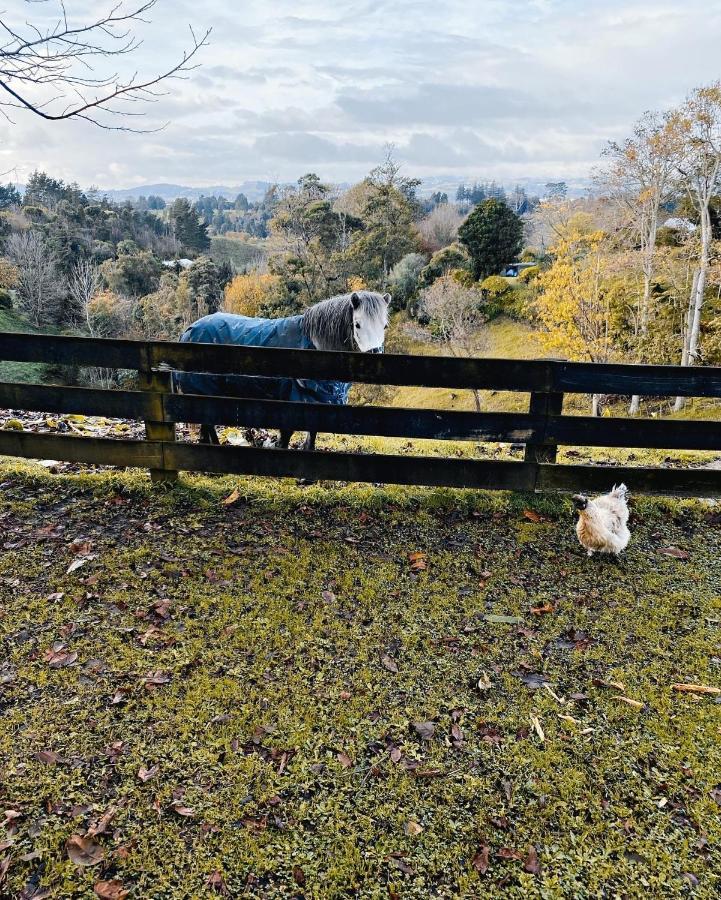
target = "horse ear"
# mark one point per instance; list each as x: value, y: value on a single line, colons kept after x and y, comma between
x: 355, y: 300
x: 387, y: 298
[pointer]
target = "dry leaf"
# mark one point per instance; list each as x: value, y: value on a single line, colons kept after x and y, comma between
x: 533, y: 516
x: 389, y: 663
x: 413, y: 828
x: 110, y: 890
x: 50, y: 757
x: 484, y: 683
x: 84, y: 851
x: 101, y: 825
x: 232, y: 497
x: 536, y: 723
x: 78, y: 562
x: 418, y: 561
x: 636, y: 704
x: 614, y: 685
x: 298, y: 876
x: 543, y: 609
x: 480, y: 860
x: 146, y: 774
x: 675, y: 552
x: 180, y: 810
x: 396, y: 754
x: 531, y: 863
x: 344, y: 759
x: 425, y: 730
x: 696, y: 689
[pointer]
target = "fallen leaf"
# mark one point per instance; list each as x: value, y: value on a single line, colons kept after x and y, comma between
x: 543, y: 609
x: 389, y: 663
x: 232, y: 497
x: 50, y: 757
x: 715, y: 794
x: 675, y: 552
x: 79, y: 547
x: 425, y: 730
x: 154, y: 679
x: 484, y: 683
x: 298, y: 876
x: 614, y: 685
x: 456, y: 733
x: 418, y: 561
x: 110, y: 890
x: 536, y: 723
x: 428, y: 773
x: 180, y: 810
x: 101, y: 826
x: 413, y: 828
x: 59, y: 657
x: 84, y: 851
x: 146, y: 774
x: 78, y: 562
x: 636, y: 704
x: 396, y: 754
x: 509, y: 853
x: 344, y: 759
x: 533, y: 680
x: 531, y: 863
x: 696, y: 689
x: 328, y: 596
x: 480, y: 860
x: 216, y: 883
x: 533, y: 516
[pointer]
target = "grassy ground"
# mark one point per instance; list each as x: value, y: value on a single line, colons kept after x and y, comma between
x: 268, y: 700
x: 18, y: 371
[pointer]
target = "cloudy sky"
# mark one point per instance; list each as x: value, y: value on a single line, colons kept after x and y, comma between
x: 499, y: 89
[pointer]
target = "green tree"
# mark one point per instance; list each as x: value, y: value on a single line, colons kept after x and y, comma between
x: 403, y: 279
x: 132, y: 274
x: 493, y: 235
x: 188, y: 229
x: 8, y: 196
x: 205, y: 282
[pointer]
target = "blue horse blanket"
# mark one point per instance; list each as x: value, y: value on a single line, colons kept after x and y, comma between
x: 225, y: 328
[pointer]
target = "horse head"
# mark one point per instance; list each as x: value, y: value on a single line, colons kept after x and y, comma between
x: 370, y: 319
x: 355, y: 321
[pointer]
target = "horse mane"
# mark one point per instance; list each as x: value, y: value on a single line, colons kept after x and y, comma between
x: 328, y: 325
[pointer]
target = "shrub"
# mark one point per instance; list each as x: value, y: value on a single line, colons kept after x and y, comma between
x: 451, y: 258
x: 6, y: 301
x: 248, y: 295
x: 528, y: 274
x: 403, y: 279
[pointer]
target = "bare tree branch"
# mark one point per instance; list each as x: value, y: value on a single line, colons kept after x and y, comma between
x: 60, y: 60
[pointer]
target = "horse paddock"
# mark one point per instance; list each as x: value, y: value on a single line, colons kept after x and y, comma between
x: 244, y: 687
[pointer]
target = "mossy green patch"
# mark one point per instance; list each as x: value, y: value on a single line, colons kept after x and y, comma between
x: 242, y: 656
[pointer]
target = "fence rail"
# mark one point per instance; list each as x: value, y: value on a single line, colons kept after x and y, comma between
x: 542, y: 429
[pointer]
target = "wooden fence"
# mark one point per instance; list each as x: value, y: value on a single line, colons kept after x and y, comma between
x: 542, y: 429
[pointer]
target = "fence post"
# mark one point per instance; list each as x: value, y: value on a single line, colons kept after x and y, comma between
x: 546, y: 403
x: 158, y: 428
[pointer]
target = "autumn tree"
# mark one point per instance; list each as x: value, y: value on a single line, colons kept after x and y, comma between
x: 575, y: 304
x: 250, y: 294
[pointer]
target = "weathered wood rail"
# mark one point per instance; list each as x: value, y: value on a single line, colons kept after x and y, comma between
x: 542, y: 429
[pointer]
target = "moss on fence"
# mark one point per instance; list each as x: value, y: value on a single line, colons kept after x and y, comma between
x: 275, y: 697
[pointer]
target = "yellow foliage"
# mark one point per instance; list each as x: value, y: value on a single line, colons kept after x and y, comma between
x: 575, y: 302
x: 8, y: 274
x: 246, y: 294
x: 356, y: 283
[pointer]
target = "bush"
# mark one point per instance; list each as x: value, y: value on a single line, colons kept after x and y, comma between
x: 494, y: 286
x: 6, y: 301
x: 249, y: 295
x: 528, y: 274
x: 403, y: 279
x: 493, y: 235
x: 449, y: 259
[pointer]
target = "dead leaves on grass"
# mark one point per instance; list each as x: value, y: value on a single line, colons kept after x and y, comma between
x: 83, y: 851
x: 418, y: 561
x: 110, y: 890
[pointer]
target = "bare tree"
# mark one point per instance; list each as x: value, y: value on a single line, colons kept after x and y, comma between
x: 457, y: 318
x: 83, y: 285
x: 58, y: 69
x: 642, y: 175
x: 40, y: 286
x: 701, y: 172
x: 440, y: 227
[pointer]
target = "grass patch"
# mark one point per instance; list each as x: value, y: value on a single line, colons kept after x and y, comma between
x: 19, y: 371
x: 270, y: 658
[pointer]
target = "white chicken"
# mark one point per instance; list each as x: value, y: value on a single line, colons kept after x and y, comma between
x: 602, y: 525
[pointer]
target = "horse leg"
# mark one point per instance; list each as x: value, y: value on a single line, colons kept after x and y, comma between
x: 208, y: 435
x: 309, y: 442
x: 284, y: 439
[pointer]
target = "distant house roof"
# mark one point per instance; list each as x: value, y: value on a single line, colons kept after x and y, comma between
x: 183, y: 263
x: 678, y: 223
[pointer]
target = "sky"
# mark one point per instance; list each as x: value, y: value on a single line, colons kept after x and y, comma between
x: 501, y: 89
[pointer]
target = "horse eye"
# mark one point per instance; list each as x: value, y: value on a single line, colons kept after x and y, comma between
x: 357, y: 324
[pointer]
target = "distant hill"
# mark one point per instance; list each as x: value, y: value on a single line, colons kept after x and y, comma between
x: 253, y: 190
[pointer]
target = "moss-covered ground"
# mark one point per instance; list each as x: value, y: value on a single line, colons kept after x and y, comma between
x: 275, y: 697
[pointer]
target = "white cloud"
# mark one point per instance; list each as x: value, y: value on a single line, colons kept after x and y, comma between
x: 493, y: 89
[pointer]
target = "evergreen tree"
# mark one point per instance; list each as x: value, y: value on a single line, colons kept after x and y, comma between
x: 493, y: 236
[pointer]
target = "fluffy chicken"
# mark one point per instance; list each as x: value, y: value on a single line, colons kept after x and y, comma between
x: 602, y: 525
